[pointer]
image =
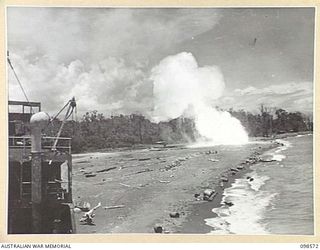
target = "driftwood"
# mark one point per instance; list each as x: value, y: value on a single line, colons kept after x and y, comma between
x: 158, y: 229
x: 228, y: 203
x: 105, y: 170
x: 174, y: 215
x: 143, y: 171
x: 164, y: 181
x: 144, y: 159
x: 213, y: 160
x: 224, y: 179
x: 90, y: 175
x: 125, y: 185
x: 266, y: 160
x: 114, y: 207
x: 209, y: 194
x: 83, y: 161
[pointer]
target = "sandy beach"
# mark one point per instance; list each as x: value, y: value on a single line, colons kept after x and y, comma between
x: 139, y: 189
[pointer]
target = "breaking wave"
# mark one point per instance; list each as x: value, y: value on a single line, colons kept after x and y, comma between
x: 249, y: 204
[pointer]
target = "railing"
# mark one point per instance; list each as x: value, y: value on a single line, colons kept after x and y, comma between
x: 55, y: 190
x: 24, y: 143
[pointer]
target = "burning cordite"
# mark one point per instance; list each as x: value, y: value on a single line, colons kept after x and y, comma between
x: 182, y: 88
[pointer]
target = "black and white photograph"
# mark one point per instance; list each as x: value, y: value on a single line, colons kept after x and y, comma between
x: 160, y: 120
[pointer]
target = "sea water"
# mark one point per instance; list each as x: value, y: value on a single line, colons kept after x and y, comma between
x: 279, y: 198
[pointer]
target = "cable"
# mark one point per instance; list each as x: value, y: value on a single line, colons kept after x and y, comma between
x: 16, y: 76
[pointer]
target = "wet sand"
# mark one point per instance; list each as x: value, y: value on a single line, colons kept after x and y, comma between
x: 149, y: 184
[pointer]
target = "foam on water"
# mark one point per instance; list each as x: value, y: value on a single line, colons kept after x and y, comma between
x: 268, y: 204
x: 274, y: 154
x: 246, y: 213
x: 278, y: 157
x: 303, y: 135
x: 285, y: 144
x: 257, y: 181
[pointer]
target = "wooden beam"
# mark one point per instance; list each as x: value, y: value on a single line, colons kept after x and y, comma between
x: 30, y: 104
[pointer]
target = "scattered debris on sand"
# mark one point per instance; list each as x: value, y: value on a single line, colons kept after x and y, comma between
x: 208, y: 174
x: 83, y: 162
x: 213, y: 160
x: 161, y: 181
x: 77, y: 210
x: 172, y: 165
x: 90, y: 175
x: 211, y: 152
x: 114, y: 207
x: 158, y: 228
x: 183, y: 158
x: 83, y: 208
x: 143, y: 171
x: 87, y: 218
x: 209, y: 194
x: 105, y: 170
x: 125, y: 185
x: 249, y: 178
x: 267, y: 160
x: 144, y: 159
x: 157, y: 149
x: 228, y: 203
x: 224, y: 179
x: 174, y: 215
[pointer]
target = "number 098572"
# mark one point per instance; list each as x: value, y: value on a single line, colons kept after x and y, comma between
x: 309, y: 246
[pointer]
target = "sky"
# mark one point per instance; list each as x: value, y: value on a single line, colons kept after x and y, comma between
x: 105, y: 56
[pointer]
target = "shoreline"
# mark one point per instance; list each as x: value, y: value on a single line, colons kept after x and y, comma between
x: 195, y: 222
x: 136, y: 147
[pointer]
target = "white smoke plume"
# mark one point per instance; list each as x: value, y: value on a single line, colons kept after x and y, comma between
x: 182, y: 88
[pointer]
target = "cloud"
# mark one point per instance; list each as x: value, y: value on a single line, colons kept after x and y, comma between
x: 115, y: 85
x: 112, y: 85
x: 92, y: 34
x: 293, y: 96
x: 103, y: 56
x: 287, y: 88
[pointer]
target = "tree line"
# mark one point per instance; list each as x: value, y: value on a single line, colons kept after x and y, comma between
x: 271, y: 121
x: 94, y: 131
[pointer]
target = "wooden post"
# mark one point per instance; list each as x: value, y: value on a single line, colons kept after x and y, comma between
x: 36, y: 192
x: 38, y: 186
x: 69, y: 163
